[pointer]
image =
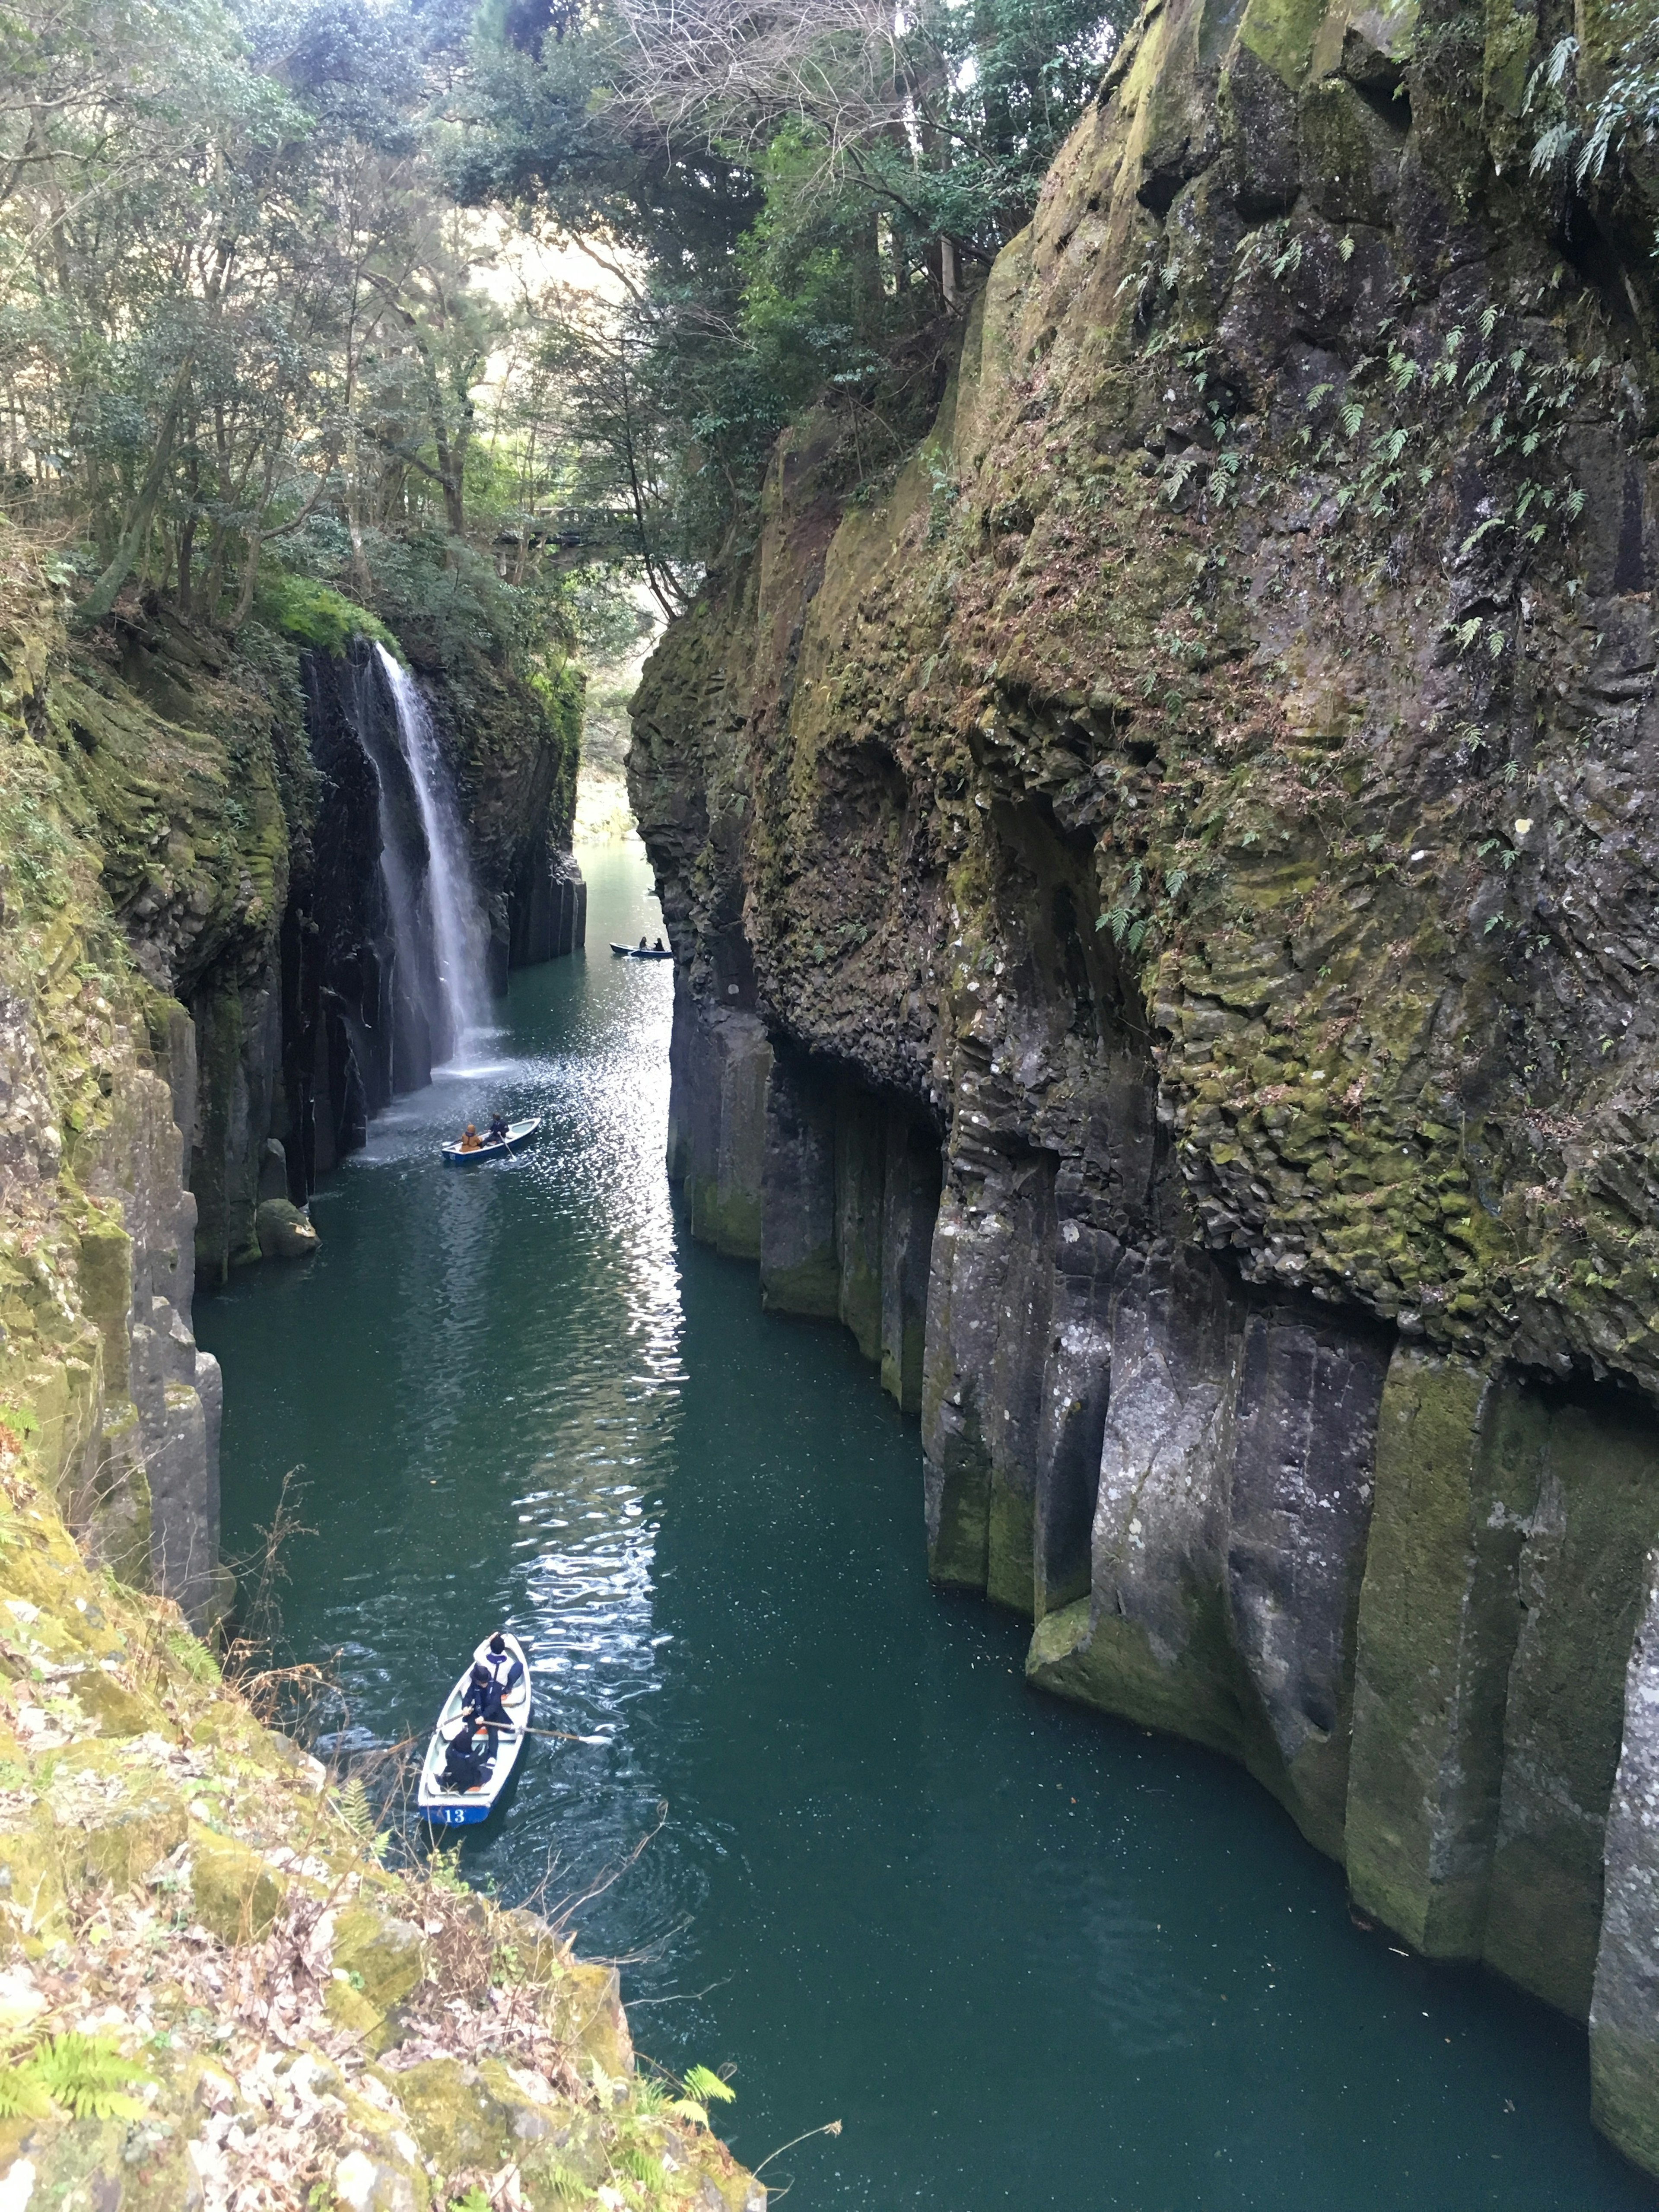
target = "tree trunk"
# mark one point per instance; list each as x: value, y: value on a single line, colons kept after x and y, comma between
x: 101, y: 597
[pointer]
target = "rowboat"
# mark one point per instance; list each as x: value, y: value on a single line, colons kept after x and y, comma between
x: 438, y: 1806
x: 641, y: 951
x: 518, y: 1132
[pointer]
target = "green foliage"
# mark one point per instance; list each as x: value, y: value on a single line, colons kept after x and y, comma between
x: 803, y: 196
x: 190, y: 1653
x: 315, y: 614
x: 84, y: 2075
x: 1577, y: 140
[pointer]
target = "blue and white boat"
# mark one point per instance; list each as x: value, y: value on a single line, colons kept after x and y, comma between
x: 497, y: 1148
x: 443, y: 1808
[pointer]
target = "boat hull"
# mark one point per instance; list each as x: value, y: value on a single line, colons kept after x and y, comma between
x: 440, y: 1807
x: 519, y: 1134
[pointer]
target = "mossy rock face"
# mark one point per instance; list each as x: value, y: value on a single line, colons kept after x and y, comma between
x: 1350, y: 155
x: 385, y: 1957
x: 284, y: 1232
x: 458, y: 2120
x: 236, y: 1894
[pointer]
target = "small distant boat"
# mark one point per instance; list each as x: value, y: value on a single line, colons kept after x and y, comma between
x: 641, y: 951
x: 518, y: 1132
x: 440, y: 1807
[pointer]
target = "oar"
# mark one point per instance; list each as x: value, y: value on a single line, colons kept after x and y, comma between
x: 554, y: 1736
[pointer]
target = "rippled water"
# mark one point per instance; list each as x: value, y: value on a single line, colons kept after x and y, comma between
x: 1031, y: 1958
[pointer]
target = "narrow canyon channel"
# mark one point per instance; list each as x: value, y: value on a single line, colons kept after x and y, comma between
x: 1029, y: 1957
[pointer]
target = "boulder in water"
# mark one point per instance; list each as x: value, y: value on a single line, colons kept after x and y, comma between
x: 284, y: 1232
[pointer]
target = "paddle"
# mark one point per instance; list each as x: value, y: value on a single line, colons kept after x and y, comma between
x: 554, y: 1736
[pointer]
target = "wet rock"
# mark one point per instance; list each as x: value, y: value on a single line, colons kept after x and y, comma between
x: 285, y: 1233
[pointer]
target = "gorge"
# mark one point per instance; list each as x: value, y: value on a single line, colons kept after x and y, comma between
x: 1151, y: 803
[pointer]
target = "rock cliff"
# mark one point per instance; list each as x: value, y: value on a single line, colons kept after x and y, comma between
x: 194, y: 964
x: 215, y: 1989
x: 1163, y: 893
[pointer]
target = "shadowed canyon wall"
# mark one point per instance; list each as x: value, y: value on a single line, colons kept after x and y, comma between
x: 195, y: 1015
x: 1163, y: 889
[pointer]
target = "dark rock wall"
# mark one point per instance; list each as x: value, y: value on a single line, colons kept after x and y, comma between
x: 198, y: 1014
x: 333, y: 1019
x: 1204, y: 809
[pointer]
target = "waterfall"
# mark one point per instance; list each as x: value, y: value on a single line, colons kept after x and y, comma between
x: 454, y: 929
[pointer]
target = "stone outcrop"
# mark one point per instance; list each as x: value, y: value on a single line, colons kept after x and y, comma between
x: 1193, y: 831
x: 193, y: 1017
x: 277, y: 2014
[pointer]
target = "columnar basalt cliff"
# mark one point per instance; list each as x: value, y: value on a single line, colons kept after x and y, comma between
x: 195, y: 967
x: 1192, y: 830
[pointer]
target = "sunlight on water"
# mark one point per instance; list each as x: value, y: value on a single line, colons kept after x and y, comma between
x: 1031, y: 1959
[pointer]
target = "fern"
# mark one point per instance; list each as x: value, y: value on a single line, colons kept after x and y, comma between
x: 706, y: 2085
x: 352, y: 1807
x: 85, y: 2074
x: 23, y: 2095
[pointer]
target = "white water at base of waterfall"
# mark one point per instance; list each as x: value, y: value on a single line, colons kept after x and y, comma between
x: 453, y: 908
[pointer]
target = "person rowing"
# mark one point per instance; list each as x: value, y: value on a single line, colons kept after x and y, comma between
x: 498, y: 1129
x: 483, y: 1702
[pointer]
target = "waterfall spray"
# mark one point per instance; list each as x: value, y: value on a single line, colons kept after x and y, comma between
x: 454, y: 915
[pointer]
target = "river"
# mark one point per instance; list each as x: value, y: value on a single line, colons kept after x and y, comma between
x: 1029, y: 1957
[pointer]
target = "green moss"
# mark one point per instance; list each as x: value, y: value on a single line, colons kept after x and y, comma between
x: 1581, y: 1580
x: 1459, y: 1462
x: 106, y: 1275
x: 316, y: 615
x: 237, y: 1896
x: 728, y: 1219
x: 959, y: 1543
x: 811, y: 1287
x: 1011, y: 1547
x: 1281, y: 33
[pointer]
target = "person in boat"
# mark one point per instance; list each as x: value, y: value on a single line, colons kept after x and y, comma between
x: 463, y: 1765
x: 483, y: 1702
x: 498, y: 1129
x: 641, y: 944
x: 470, y: 1140
x: 659, y: 946
x: 505, y: 1671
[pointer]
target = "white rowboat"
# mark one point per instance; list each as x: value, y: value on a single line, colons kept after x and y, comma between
x: 440, y: 1807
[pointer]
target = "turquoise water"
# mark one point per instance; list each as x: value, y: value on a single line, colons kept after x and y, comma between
x: 1031, y: 1958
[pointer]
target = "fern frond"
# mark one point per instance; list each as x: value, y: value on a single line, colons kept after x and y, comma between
x: 23, y: 2094
x: 354, y: 1808
x: 86, y: 2075
x: 703, y: 2085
